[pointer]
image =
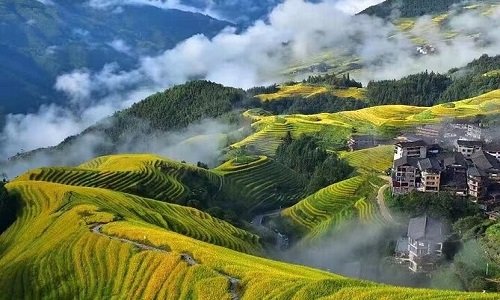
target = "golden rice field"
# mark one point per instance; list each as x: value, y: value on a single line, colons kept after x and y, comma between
x: 321, y: 213
x: 50, y: 252
x: 158, y: 177
x: 493, y: 73
x: 269, y: 130
x: 263, y: 184
x: 308, y: 90
x: 376, y: 159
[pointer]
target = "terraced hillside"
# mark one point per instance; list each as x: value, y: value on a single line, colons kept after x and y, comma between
x: 145, y: 175
x: 308, y: 90
x: 261, y: 185
x: 385, y: 119
x: 323, y: 212
x: 376, y: 159
x: 57, y: 250
x: 243, y: 188
x: 270, y: 130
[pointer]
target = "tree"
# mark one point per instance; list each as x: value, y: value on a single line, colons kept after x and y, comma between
x: 9, y: 206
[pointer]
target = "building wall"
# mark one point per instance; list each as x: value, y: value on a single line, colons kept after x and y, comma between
x: 431, y: 182
x: 404, y: 180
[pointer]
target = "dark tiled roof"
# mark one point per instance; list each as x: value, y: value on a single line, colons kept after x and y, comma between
x: 492, y: 147
x: 454, y: 158
x: 426, y: 228
x: 362, y: 137
x: 474, y: 171
x: 419, y: 143
x: 451, y: 180
x: 429, y: 164
x: 469, y: 144
x: 405, y: 160
x: 485, y: 161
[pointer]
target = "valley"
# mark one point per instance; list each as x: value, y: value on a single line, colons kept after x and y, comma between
x: 223, y: 150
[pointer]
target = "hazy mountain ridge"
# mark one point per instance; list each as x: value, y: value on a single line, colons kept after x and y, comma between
x: 41, y: 41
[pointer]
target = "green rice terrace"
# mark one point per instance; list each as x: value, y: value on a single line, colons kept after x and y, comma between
x: 321, y: 213
x: 102, y: 244
x: 337, y: 127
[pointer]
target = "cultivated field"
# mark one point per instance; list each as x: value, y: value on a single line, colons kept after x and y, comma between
x: 308, y: 90
x: 55, y: 251
x: 376, y: 159
x: 262, y: 183
x: 321, y: 214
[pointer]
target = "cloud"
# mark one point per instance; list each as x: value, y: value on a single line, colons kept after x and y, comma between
x: 200, y: 141
x: 352, y: 7
x: 294, y: 32
x: 163, y: 4
x: 46, y: 2
x: 120, y: 46
x: 76, y: 85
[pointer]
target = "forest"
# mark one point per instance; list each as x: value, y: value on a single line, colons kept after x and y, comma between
x: 308, y: 158
x: 409, y: 8
x: 429, y: 88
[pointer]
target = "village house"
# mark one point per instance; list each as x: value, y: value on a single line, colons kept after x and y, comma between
x: 493, y: 149
x: 469, y: 171
x: 359, y: 141
x: 416, y: 149
x: 467, y: 148
x: 425, y: 243
x: 404, y: 176
x: 474, y: 131
x: 454, y: 175
x: 430, y: 174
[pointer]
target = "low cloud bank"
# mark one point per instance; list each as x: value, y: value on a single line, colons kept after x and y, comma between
x: 294, y: 32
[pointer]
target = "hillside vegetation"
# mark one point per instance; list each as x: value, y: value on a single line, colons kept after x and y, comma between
x: 318, y: 216
x: 335, y: 128
x: 241, y: 188
x: 140, y: 174
x: 54, y: 250
x: 260, y: 185
x: 409, y: 8
x: 40, y: 41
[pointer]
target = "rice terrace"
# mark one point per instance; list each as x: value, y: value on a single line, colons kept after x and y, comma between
x: 247, y: 150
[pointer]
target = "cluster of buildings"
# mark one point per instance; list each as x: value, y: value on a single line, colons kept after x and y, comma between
x: 462, y: 159
x: 471, y: 169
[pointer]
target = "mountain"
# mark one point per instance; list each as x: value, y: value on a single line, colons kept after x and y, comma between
x: 240, y: 12
x: 143, y: 124
x: 40, y: 40
x: 409, y: 8
x: 96, y: 243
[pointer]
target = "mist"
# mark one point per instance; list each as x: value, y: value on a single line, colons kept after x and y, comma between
x: 292, y: 33
x: 199, y: 142
x: 358, y: 251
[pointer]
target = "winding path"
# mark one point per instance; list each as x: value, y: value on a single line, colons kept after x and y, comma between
x: 233, y: 282
x: 381, y: 202
x: 281, y: 239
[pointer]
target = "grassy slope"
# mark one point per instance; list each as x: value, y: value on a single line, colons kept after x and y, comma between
x: 50, y: 253
x: 323, y: 212
x: 308, y: 90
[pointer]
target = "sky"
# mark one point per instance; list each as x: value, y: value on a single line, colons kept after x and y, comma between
x: 293, y: 31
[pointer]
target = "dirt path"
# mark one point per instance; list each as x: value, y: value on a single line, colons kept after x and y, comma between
x: 233, y: 282
x: 281, y: 239
x: 381, y: 202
